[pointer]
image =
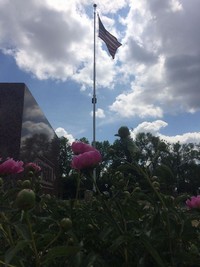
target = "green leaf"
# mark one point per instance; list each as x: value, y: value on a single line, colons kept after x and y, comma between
x: 43, y: 240
x: 10, y: 253
x: 105, y: 233
x: 153, y: 252
x: 60, y: 251
x: 181, y: 199
x: 22, y: 230
x: 118, y: 242
x: 7, y: 265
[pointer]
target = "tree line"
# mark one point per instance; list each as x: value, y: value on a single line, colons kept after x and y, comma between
x: 176, y: 166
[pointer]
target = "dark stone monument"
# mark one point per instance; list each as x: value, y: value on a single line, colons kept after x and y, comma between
x: 25, y: 133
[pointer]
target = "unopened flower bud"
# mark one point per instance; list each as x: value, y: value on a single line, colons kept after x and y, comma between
x: 66, y: 224
x: 25, y: 199
x: 26, y: 184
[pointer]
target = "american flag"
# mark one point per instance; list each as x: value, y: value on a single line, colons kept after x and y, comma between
x: 110, y: 40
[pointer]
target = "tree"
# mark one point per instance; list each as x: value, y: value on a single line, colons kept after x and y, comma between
x: 65, y: 156
x: 176, y: 165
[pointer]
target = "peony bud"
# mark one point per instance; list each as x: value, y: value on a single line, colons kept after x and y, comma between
x: 66, y: 224
x: 26, y: 184
x: 25, y: 199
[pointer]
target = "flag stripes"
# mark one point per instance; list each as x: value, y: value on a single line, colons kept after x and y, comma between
x: 110, y: 40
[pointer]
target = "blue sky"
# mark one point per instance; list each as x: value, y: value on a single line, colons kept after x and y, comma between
x: 152, y: 85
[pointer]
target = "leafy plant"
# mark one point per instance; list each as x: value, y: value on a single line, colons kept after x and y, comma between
x: 133, y: 223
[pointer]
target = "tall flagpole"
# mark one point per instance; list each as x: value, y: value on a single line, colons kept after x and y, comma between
x: 94, y: 99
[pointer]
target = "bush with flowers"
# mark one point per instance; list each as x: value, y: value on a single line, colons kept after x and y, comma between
x: 133, y: 224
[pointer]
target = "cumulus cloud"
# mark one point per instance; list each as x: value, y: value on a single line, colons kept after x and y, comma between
x: 156, y: 126
x: 62, y: 132
x: 183, y: 139
x: 161, y: 49
x: 149, y: 127
x: 134, y: 104
x: 54, y: 40
x: 44, y: 40
x: 99, y: 113
x: 155, y: 72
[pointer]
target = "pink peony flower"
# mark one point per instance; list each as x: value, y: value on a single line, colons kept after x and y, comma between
x: 80, y: 148
x: 33, y: 167
x: 10, y: 166
x: 86, y: 160
x: 193, y: 202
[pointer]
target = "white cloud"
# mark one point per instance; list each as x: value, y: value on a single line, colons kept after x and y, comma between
x: 184, y: 138
x: 176, y: 5
x: 54, y: 40
x: 149, y: 127
x: 134, y: 104
x: 99, y: 113
x: 155, y: 127
x: 62, y: 132
x: 155, y: 72
x: 161, y: 52
x: 46, y: 41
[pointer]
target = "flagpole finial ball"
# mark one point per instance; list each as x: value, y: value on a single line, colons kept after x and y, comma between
x: 95, y: 5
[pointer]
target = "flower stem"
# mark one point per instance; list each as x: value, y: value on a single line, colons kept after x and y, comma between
x: 53, y: 240
x: 7, y: 230
x: 37, y: 260
x: 78, y: 186
x: 166, y: 213
x: 6, y: 264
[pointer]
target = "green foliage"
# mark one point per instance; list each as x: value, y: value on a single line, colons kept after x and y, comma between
x: 176, y: 165
x: 135, y: 224
x: 65, y: 156
x: 134, y: 217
